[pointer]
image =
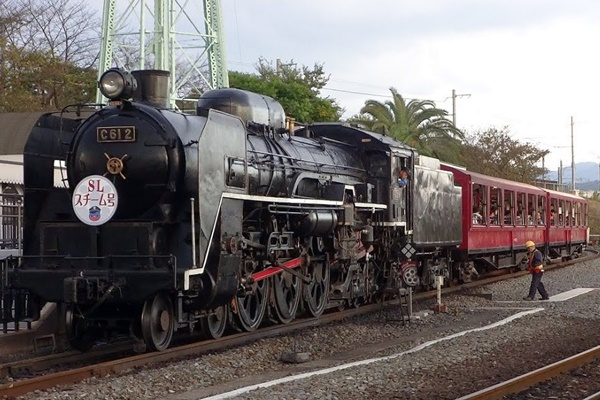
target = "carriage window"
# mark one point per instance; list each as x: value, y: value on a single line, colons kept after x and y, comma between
x: 561, y: 213
x: 541, y: 211
x: 479, y: 203
x: 495, y: 210
x: 509, y: 207
x: 532, y: 213
x: 399, y: 164
x: 522, y: 209
x: 554, y: 212
x: 379, y: 166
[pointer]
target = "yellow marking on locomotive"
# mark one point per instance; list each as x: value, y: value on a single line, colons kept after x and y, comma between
x: 115, y: 165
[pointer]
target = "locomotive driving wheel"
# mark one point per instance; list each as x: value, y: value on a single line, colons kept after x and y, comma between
x: 213, y: 326
x: 78, y: 334
x: 250, y: 308
x: 287, y: 291
x: 158, y: 322
x: 316, y: 292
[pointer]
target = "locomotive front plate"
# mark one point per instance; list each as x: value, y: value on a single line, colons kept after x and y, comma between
x: 95, y: 200
x: 115, y: 134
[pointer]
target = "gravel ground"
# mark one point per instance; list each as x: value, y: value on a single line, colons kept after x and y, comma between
x: 445, y: 370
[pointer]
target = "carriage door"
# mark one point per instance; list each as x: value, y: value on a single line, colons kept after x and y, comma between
x: 399, y: 192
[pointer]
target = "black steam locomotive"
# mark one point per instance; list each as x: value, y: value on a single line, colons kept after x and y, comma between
x: 228, y: 217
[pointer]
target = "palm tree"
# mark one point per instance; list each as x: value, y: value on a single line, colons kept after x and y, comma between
x: 418, y: 123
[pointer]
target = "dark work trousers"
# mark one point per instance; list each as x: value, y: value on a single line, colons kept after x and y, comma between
x: 537, y: 285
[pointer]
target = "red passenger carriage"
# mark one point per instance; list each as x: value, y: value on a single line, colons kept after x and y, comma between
x: 568, y: 229
x: 499, y: 216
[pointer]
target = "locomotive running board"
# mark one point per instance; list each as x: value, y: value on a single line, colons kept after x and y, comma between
x: 240, y: 196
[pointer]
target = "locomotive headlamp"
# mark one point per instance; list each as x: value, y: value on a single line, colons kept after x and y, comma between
x: 117, y: 84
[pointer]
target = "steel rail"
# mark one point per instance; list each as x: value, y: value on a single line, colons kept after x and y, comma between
x: 525, y: 381
x: 31, y: 366
x: 595, y: 396
x: 22, y: 387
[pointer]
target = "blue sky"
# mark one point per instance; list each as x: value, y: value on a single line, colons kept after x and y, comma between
x: 526, y: 64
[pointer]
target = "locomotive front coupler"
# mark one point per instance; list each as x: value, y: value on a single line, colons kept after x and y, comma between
x: 80, y: 290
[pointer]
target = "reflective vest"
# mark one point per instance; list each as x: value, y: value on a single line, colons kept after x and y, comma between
x: 532, y: 258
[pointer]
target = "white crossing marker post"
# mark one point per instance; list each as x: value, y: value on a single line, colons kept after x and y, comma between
x: 439, y: 307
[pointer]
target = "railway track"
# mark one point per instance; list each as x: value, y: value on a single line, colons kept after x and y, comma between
x: 28, y: 368
x: 40, y: 373
x: 528, y: 380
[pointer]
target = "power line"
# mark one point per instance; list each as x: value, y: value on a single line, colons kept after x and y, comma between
x: 354, y: 92
x: 378, y: 95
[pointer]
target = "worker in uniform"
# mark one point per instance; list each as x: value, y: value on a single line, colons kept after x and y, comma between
x: 536, y: 269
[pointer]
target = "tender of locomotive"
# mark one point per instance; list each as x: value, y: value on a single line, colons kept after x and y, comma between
x: 228, y: 217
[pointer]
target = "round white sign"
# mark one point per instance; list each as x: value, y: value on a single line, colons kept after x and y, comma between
x: 95, y: 200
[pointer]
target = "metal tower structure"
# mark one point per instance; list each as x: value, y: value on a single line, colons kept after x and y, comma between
x: 166, y: 35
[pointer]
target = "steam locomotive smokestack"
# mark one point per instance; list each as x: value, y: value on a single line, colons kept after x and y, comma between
x: 152, y: 87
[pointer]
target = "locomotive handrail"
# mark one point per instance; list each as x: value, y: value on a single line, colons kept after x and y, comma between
x: 70, y: 257
x: 298, y: 160
x: 11, y: 195
x: 326, y: 139
x: 280, y: 209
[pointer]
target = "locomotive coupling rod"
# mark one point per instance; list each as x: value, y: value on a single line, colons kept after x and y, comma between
x: 294, y: 272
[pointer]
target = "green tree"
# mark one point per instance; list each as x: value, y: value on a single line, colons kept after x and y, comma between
x: 594, y: 215
x: 418, y: 123
x: 494, y: 152
x: 296, y: 88
x: 46, y: 54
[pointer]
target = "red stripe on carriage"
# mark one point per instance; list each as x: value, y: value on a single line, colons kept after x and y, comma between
x: 293, y: 263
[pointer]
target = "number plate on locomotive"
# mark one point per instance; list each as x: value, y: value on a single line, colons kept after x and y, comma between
x: 112, y: 134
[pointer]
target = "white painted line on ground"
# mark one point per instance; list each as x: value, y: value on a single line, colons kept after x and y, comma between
x: 557, y: 297
x: 305, y: 375
x: 570, y: 294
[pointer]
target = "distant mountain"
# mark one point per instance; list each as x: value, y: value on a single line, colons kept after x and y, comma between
x: 586, y: 175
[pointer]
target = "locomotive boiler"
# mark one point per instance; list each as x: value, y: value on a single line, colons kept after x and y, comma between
x: 228, y: 217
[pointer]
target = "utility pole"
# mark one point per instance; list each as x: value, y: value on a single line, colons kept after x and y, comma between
x: 453, y: 107
x: 454, y: 96
x: 279, y: 66
x: 4, y: 22
x: 560, y: 177
x: 572, y: 159
x: 544, y: 170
